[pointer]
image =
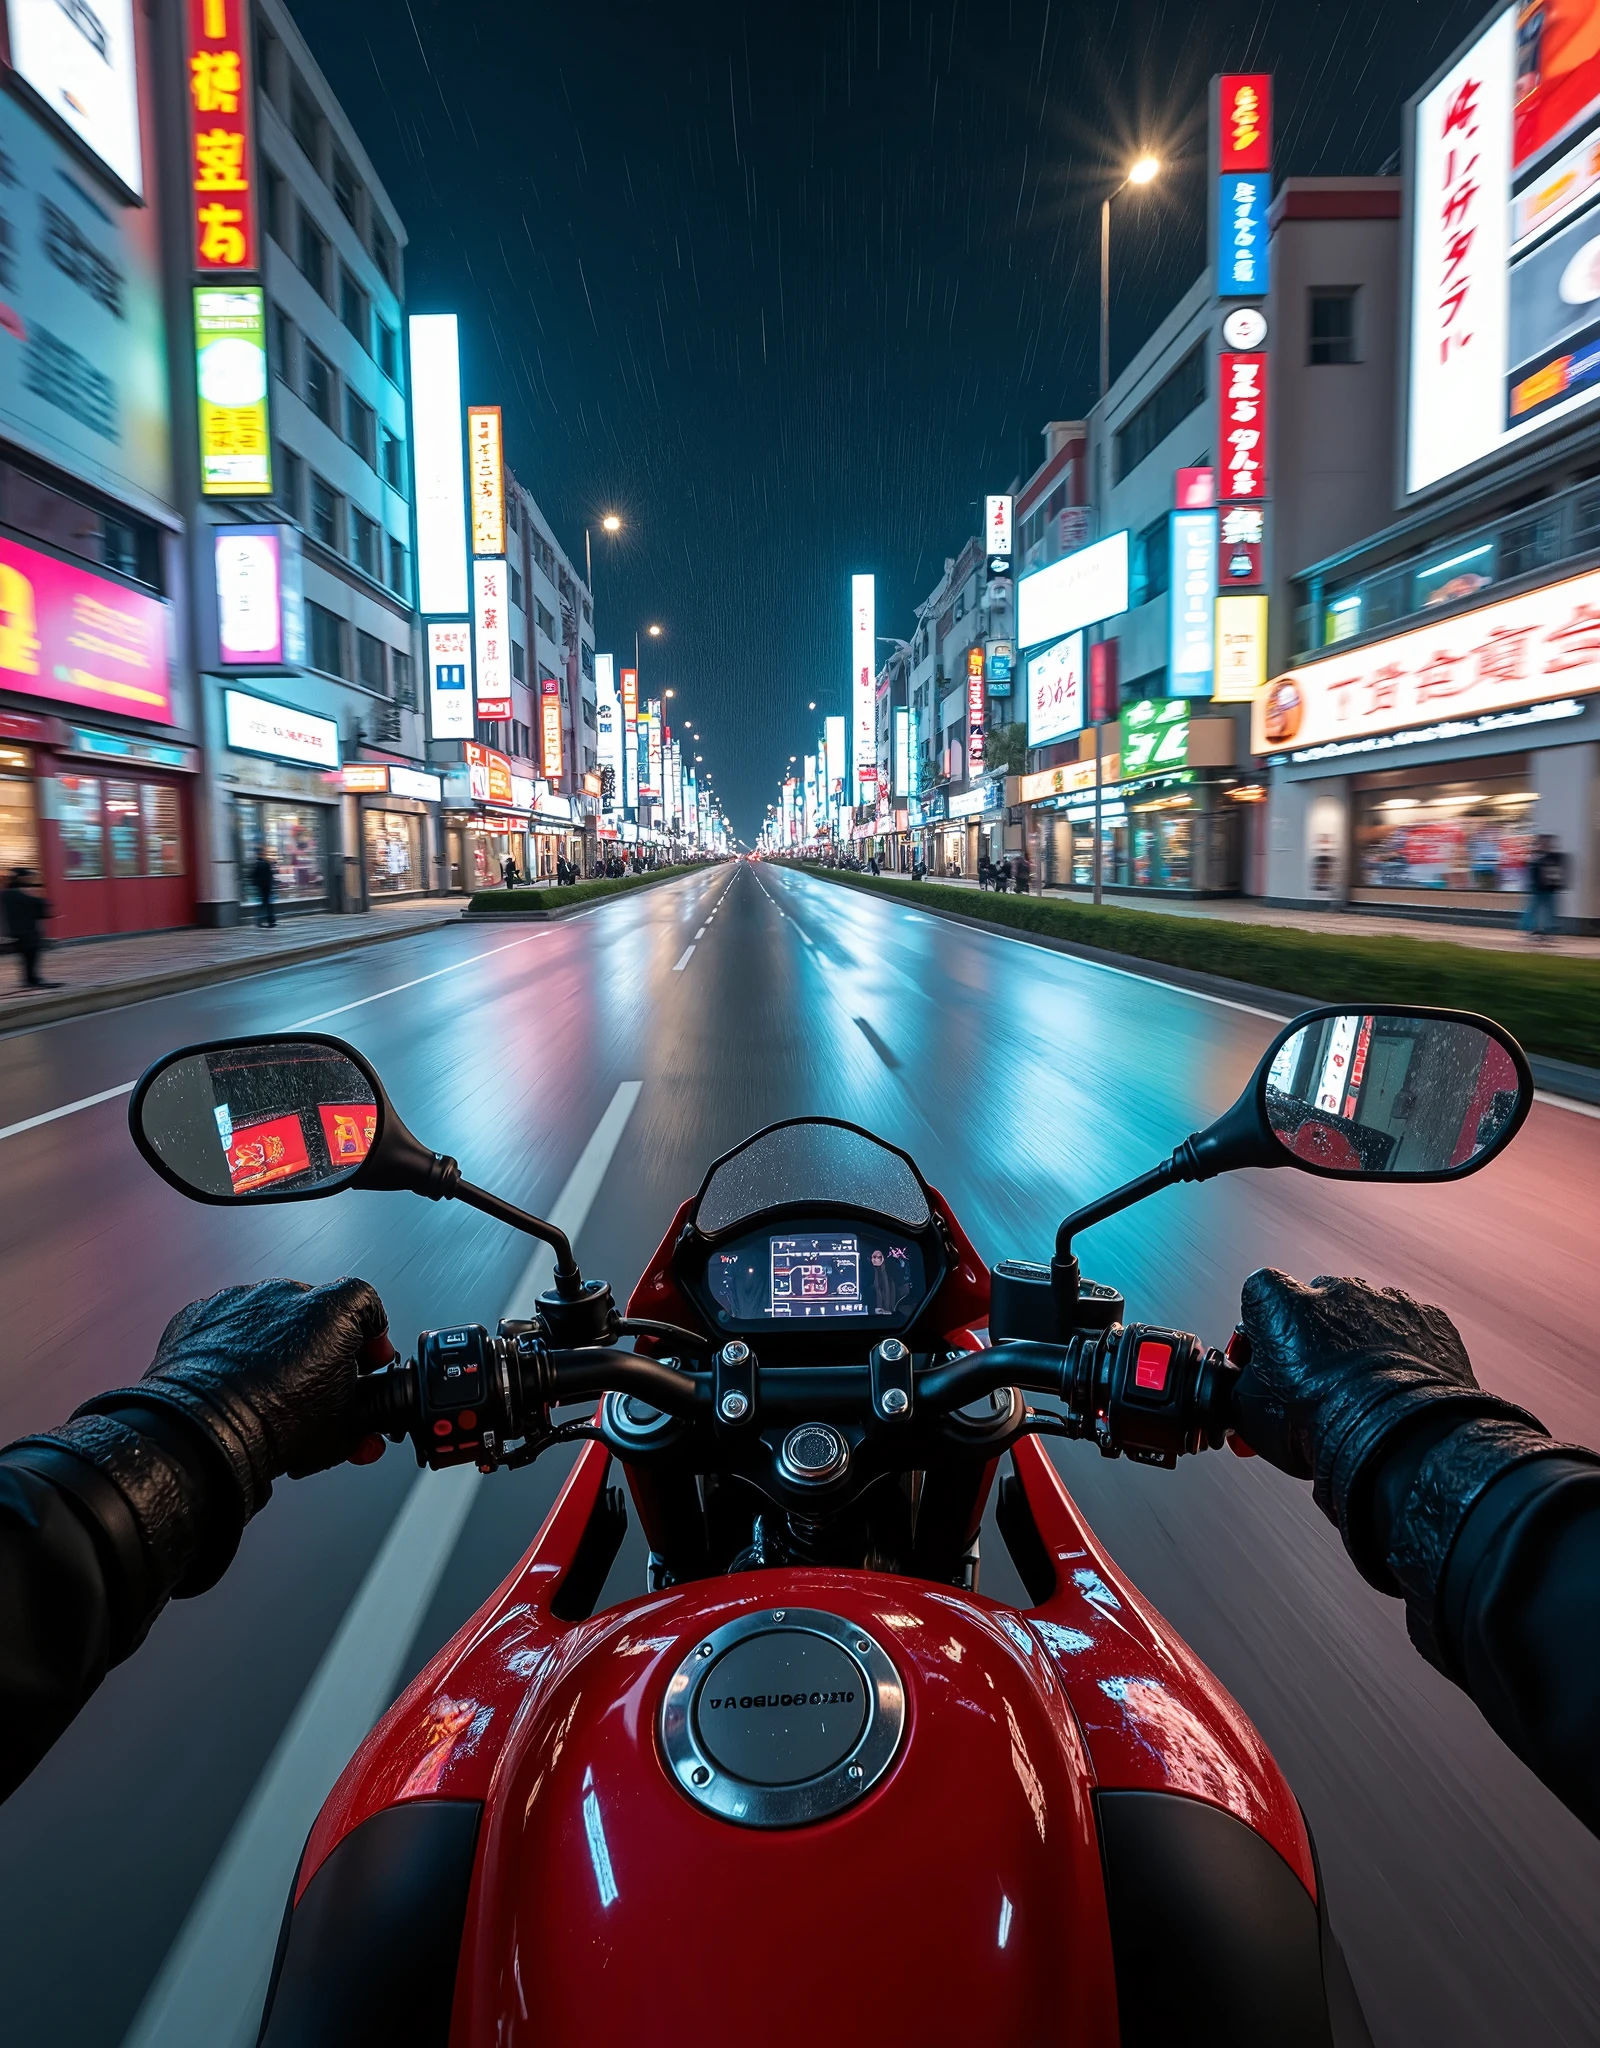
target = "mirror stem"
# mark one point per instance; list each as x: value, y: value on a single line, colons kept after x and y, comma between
x: 569, y: 1281
x: 1119, y: 1199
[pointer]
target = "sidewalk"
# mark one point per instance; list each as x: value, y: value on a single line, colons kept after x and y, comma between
x: 99, y: 974
x: 1330, y: 923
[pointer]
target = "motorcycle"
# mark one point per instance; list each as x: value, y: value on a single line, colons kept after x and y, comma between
x: 706, y: 1811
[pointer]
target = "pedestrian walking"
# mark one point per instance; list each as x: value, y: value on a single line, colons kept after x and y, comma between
x: 1547, y: 877
x: 508, y: 871
x: 22, y: 911
x: 1020, y: 875
x: 1002, y: 876
x: 264, y: 880
x: 985, y: 871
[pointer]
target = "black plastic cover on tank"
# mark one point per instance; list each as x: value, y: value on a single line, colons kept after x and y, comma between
x: 781, y: 1707
x: 1216, y: 1942
x: 368, y: 1957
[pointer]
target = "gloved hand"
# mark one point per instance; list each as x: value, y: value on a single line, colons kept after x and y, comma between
x: 268, y: 1374
x: 1338, y: 1370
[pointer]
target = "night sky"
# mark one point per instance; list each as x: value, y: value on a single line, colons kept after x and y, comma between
x: 791, y: 286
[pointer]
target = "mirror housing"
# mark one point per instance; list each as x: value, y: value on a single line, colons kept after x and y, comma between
x: 178, y: 1128
x: 1468, y: 1062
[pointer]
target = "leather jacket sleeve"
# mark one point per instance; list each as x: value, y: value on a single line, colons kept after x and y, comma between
x: 1493, y: 1533
x: 100, y: 1523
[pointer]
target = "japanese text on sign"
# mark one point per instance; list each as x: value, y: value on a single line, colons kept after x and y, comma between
x: 1242, y: 429
x: 550, y: 728
x: 222, y: 194
x: 1543, y: 643
x: 487, y: 480
x: 974, y: 711
x: 1246, y: 121
x: 1242, y: 200
x: 1460, y: 204
x: 491, y: 637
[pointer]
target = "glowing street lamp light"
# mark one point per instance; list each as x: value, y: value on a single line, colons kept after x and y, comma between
x: 611, y: 523
x: 654, y: 632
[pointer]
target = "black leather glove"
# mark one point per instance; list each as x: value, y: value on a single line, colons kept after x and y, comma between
x: 268, y: 1374
x: 1338, y: 1372
x: 253, y: 1383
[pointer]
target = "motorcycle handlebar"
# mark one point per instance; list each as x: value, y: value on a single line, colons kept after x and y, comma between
x: 1153, y: 1394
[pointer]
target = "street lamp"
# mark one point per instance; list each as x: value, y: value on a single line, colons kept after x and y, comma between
x: 611, y: 523
x: 1141, y: 172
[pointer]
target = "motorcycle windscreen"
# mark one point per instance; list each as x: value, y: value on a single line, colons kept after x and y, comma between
x: 817, y: 1164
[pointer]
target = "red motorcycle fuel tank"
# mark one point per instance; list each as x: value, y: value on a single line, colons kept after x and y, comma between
x: 960, y: 1897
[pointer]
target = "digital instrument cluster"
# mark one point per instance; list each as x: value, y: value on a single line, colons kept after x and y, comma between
x: 835, y: 1276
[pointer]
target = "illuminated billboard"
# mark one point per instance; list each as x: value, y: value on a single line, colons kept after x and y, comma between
x: 550, y: 728
x: 436, y: 456
x: 1504, y: 197
x: 257, y: 571
x: 833, y: 732
x: 487, y: 480
x: 491, y: 637
x: 997, y: 524
x: 230, y: 368
x: 221, y: 171
x: 1055, y: 691
x: 608, y: 730
x: 1155, y: 737
x: 1542, y: 645
x: 630, y: 738
x: 77, y: 638
x: 1079, y: 590
x: 450, y: 679
x: 82, y: 64
x: 1241, y: 649
x: 256, y: 726
x: 1190, y: 624
x: 863, y: 700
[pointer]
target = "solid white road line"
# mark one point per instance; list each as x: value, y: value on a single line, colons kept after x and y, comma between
x: 49, y: 1116
x: 210, y: 1989
x: 682, y: 961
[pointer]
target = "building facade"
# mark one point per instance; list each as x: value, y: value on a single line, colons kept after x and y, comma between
x: 1181, y: 807
x: 100, y: 727
x: 1436, y: 714
x: 316, y: 753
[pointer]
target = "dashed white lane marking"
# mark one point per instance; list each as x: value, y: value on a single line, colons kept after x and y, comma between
x: 211, y: 1986
x: 683, y: 960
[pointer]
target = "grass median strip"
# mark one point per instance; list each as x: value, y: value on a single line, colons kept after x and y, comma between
x: 1550, y: 1001
x: 546, y: 901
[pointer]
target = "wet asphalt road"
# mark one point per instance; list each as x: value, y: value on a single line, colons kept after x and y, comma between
x: 1467, y: 1899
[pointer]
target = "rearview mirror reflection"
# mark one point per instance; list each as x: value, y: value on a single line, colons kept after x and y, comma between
x: 282, y: 1119
x: 1376, y: 1093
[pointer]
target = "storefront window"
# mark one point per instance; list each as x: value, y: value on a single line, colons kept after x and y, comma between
x: 163, y: 829
x: 394, y: 853
x: 296, y: 839
x: 19, y: 838
x: 78, y: 818
x: 1471, y: 836
x: 122, y: 827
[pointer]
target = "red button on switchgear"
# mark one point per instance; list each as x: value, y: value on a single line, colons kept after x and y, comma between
x: 1151, y: 1368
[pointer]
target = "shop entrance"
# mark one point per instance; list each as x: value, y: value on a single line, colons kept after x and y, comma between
x: 392, y: 846
x: 19, y: 825
x: 121, y: 854
x: 1461, y: 833
x: 295, y: 837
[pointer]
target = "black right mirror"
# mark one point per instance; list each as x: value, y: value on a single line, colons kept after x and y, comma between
x: 1385, y: 1093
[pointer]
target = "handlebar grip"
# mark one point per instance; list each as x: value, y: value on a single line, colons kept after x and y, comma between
x: 386, y: 1403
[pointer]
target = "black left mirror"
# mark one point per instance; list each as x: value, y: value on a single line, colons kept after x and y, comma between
x: 273, y: 1119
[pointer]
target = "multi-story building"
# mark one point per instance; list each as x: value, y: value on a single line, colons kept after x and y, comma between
x: 554, y: 814
x: 99, y: 726
x: 315, y: 743
x: 1326, y: 332
x: 1436, y: 711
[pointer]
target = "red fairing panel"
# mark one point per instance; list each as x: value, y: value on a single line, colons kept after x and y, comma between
x: 1154, y: 1718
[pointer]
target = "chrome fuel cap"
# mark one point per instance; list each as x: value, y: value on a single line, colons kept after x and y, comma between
x: 782, y: 1717
x: 812, y: 1454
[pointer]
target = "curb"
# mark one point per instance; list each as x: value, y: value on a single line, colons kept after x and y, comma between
x: 113, y: 995
x: 1551, y: 1076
